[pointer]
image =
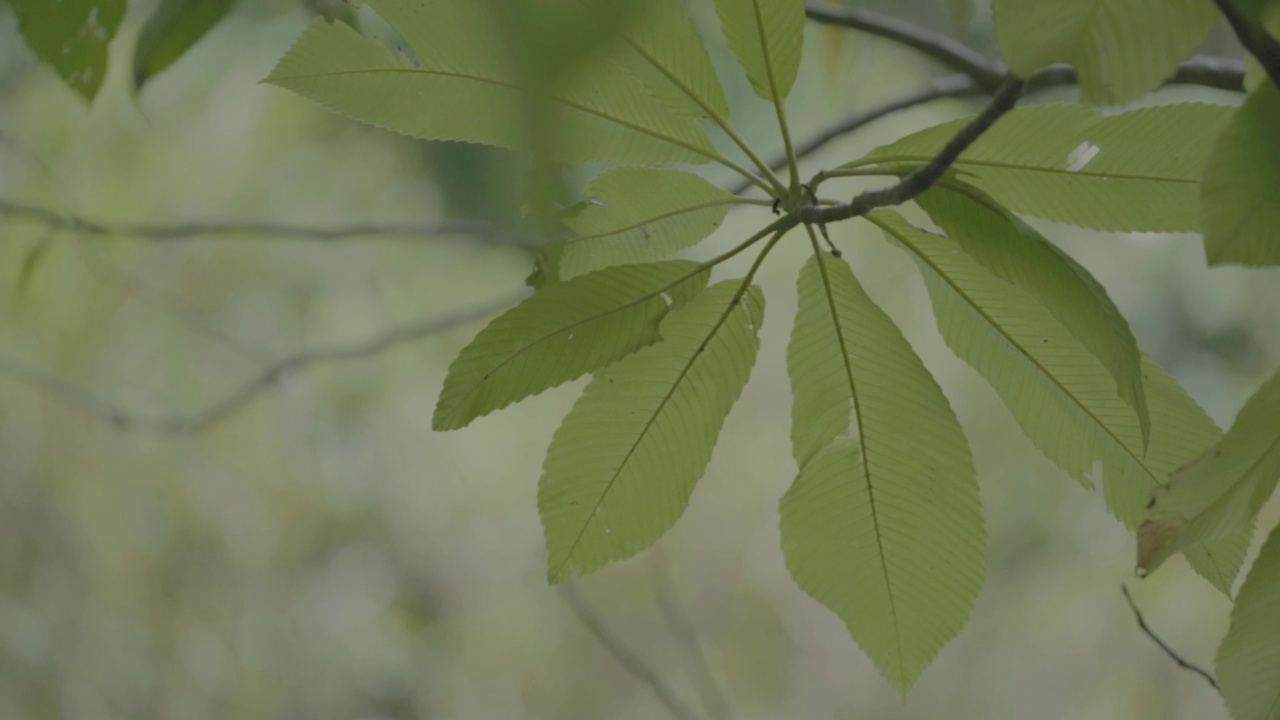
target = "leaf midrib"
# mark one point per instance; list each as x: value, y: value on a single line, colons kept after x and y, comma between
x: 863, y: 453
x: 666, y: 216
x: 887, y: 159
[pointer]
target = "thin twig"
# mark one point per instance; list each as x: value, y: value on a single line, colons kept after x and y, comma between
x: 248, y: 229
x: 922, y: 178
x: 624, y: 655
x: 172, y: 425
x: 1254, y: 38
x: 1142, y: 625
x: 987, y: 73
x: 951, y: 53
x: 712, y: 698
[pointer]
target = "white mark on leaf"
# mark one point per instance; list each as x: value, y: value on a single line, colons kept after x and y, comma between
x: 1081, y: 156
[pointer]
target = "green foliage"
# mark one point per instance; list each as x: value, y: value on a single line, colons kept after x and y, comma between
x: 1222, y: 489
x: 1241, y: 190
x: 884, y: 524
x: 600, y: 111
x: 767, y: 37
x: 1250, y: 653
x: 72, y: 39
x: 1061, y: 394
x: 173, y: 29
x: 1096, y: 36
x: 559, y: 334
x: 1014, y: 252
x: 637, y: 215
x: 1069, y: 164
x: 623, y: 464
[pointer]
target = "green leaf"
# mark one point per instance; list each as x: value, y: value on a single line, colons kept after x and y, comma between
x: 1138, y: 171
x: 1014, y: 252
x: 623, y: 464
x: 1240, y: 197
x: 562, y: 332
x: 636, y: 214
x: 1059, y: 393
x: 1248, y: 662
x: 767, y: 36
x: 883, y: 525
x: 1266, y: 14
x: 664, y: 50
x: 1223, y: 489
x: 1097, y: 37
x: 171, y: 30
x: 72, y: 37
x: 463, y: 87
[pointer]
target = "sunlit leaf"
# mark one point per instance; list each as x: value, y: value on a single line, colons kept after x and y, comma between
x: 1137, y: 171
x: 71, y: 36
x: 463, y: 87
x: 1248, y: 662
x: 563, y: 331
x: 1097, y: 37
x: 172, y: 29
x: 1223, y: 489
x: 1241, y: 191
x: 1060, y: 394
x: 664, y: 50
x: 883, y: 525
x: 635, y: 214
x: 623, y: 464
x: 767, y: 37
x: 1016, y: 253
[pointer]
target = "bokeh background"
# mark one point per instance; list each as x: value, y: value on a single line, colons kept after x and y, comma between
x: 321, y: 553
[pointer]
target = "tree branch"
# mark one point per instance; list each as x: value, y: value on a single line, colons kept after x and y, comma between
x: 1254, y: 38
x: 625, y: 656
x: 1142, y: 625
x: 922, y: 178
x: 987, y: 74
x: 188, y: 231
x: 120, y: 418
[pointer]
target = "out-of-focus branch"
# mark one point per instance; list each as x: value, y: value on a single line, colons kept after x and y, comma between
x: 625, y: 656
x: 712, y: 698
x: 1254, y: 38
x: 987, y: 74
x: 121, y: 418
x: 49, y: 217
x: 1142, y: 625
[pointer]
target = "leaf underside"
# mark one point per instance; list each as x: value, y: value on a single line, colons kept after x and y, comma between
x: 562, y: 332
x: 883, y: 525
x: 1223, y: 489
x: 767, y: 37
x: 1248, y: 661
x: 1137, y: 171
x: 1240, y: 196
x: 636, y: 215
x: 1060, y: 394
x: 1097, y: 37
x: 602, y: 112
x: 72, y: 38
x: 623, y: 464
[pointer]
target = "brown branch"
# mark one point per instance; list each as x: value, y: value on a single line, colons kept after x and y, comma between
x: 247, y: 229
x: 120, y: 418
x: 1142, y: 625
x: 624, y: 655
x: 1254, y: 38
x: 922, y: 178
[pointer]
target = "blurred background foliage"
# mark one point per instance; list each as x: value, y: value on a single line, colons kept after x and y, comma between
x: 320, y: 553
